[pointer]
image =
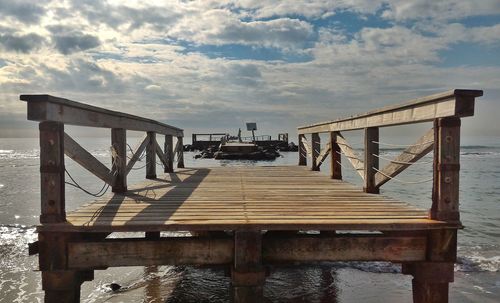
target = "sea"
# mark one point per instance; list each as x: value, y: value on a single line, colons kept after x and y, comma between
x: 477, y: 276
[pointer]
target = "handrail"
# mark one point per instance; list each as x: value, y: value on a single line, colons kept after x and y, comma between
x: 444, y: 110
x: 53, y: 113
x: 50, y: 108
x: 453, y: 103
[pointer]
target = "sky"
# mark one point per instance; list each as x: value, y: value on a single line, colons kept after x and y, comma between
x: 214, y: 65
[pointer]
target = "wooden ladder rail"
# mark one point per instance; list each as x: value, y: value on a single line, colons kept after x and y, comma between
x: 444, y: 110
x: 61, y: 283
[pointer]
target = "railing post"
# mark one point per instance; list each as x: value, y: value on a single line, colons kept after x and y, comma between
x: 180, y: 153
x: 302, y: 151
x: 151, y: 156
x: 446, y: 170
x: 52, y: 172
x: 371, y: 161
x: 316, y: 148
x: 169, y: 154
x: 335, y: 157
x: 119, y: 153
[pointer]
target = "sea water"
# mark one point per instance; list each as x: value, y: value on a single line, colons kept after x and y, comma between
x: 477, y: 276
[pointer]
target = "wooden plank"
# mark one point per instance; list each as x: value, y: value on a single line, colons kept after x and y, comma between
x: 180, y: 152
x: 315, y: 150
x: 445, y: 195
x: 50, y: 108
x: 160, y: 154
x: 134, y: 252
x: 137, y: 153
x: 119, y: 160
x: 151, y: 156
x: 335, y: 157
x: 351, y: 155
x: 457, y: 102
x: 410, y: 155
x: 323, y: 155
x: 81, y: 156
x: 52, y: 193
x: 371, y: 159
x: 169, y: 154
x: 304, y: 249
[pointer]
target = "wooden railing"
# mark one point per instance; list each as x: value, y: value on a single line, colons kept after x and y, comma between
x: 444, y: 110
x: 53, y: 113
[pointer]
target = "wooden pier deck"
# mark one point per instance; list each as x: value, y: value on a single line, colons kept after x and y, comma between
x: 243, y: 198
x: 249, y: 218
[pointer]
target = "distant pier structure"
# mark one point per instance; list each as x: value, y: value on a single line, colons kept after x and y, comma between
x: 201, y: 141
x: 250, y: 219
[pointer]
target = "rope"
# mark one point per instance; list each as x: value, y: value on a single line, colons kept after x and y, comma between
x: 402, y: 145
x: 100, y: 193
x: 401, y: 162
x: 350, y: 157
x: 345, y: 167
x: 402, y: 181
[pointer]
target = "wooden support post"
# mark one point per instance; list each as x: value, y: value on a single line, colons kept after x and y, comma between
x: 248, y: 274
x: 335, y: 157
x: 430, y: 281
x: 193, y: 139
x: 302, y: 151
x: 316, y: 148
x: 446, y: 170
x: 151, y: 156
x: 371, y: 161
x: 169, y: 153
x: 52, y: 172
x: 180, y: 153
x: 119, y: 153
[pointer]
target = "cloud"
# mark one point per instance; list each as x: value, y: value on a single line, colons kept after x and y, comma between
x: 68, y: 41
x: 25, y: 11
x: 21, y: 43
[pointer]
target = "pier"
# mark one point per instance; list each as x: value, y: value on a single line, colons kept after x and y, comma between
x: 249, y: 218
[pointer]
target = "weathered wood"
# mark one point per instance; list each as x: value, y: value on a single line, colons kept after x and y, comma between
x: 458, y: 103
x: 81, y: 156
x: 351, y: 155
x: 323, y: 155
x: 315, y: 150
x: 119, y: 160
x: 151, y: 156
x: 62, y: 286
x: 248, y: 274
x: 160, y: 154
x: 52, y: 172
x: 138, y: 252
x: 137, y: 153
x: 180, y: 153
x: 310, y: 248
x: 169, y: 154
x: 430, y: 281
x: 446, y: 170
x: 371, y: 159
x: 50, y: 108
x: 302, y: 151
x: 335, y: 157
x: 410, y: 155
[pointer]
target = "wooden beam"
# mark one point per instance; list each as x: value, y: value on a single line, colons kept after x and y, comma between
x: 151, y: 156
x: 323, y: 155
x: 445, y: 203
x: 315, y: 150
x: 410, y: 155
x: 139, y: 252
x: 52, y: 146
x: 454, y: 103
x: 119, y: 160
x: 169, y: 153
x: 160, y: 154
x: 351, y: 155
x: 302, y: 151
x: 81, y: 156
x: 371, y: 159
x: 180, y: 153
x: 311, y: 248
x: 335, y: 157
x: 50, y: 108
x: 137, y: 153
